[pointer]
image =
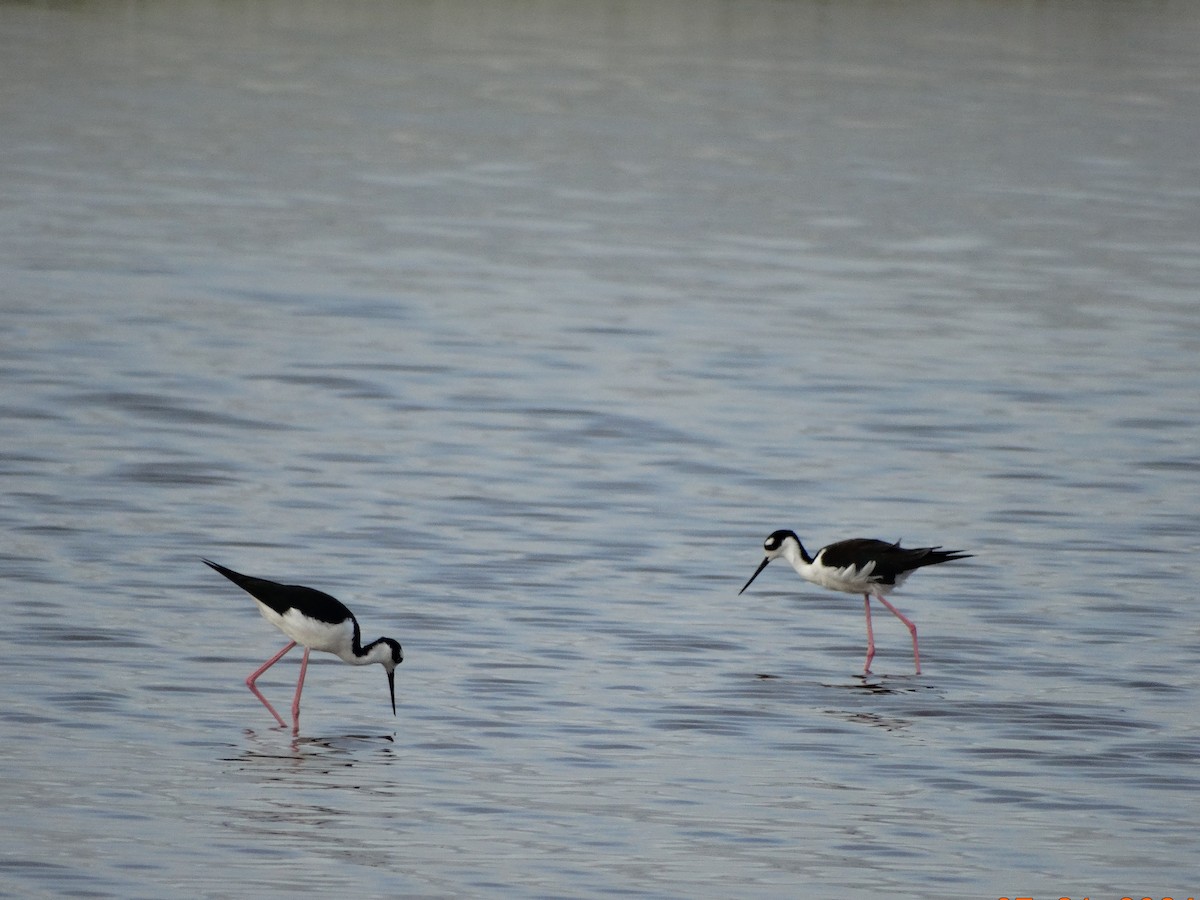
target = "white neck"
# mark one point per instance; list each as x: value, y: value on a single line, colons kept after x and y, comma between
x: 791, y: 552
x: 380, y: 653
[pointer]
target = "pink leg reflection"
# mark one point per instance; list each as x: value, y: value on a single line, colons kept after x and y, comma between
x: 253, y: 677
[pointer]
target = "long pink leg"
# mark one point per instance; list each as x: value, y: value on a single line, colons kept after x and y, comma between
x: 299, y: 688
x: 870, y: 634
x: 253, y: 677
x: 912, y: 629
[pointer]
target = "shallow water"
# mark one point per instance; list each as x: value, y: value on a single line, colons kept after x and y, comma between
x: 518, y: 327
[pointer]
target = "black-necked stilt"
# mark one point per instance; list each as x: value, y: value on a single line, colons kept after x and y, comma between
x: 318, y: 622
x: 857, y: 566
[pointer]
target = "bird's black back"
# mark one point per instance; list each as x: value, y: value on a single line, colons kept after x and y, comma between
x: 282, y: 597
x: 890, y: 560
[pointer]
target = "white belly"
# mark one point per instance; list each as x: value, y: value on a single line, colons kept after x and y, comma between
x: 850, y: 579
x: 314, y: 635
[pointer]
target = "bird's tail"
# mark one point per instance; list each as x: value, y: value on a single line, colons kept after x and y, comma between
x: 247, y: 583
x: 931, y: 556
x: 228, y: 573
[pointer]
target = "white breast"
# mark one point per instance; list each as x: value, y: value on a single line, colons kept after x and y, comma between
x: 308, y: 633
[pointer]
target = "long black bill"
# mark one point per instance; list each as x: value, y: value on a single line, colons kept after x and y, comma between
x: 762, y: 565
x: 392, y: 688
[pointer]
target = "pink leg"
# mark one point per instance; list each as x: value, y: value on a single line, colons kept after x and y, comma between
x: 870, y: 634
x: 912, y: 629
x: 253, y: 677
x: 299, y: 688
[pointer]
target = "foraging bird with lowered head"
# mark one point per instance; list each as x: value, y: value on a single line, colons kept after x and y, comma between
x: 317, y: 621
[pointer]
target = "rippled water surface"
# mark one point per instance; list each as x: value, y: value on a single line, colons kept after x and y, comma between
x: 518, y: 326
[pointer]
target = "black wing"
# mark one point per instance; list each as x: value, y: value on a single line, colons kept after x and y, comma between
x: 890, y: 560
x: 282, y: 597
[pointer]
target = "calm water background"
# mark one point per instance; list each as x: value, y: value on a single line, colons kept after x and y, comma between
x: 518, y: 326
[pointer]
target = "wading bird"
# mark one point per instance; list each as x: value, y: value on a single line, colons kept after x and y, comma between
x: 316, y: 621
x: 857, y: 566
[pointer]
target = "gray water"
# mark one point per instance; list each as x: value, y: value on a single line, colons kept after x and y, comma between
x: 518, y: 326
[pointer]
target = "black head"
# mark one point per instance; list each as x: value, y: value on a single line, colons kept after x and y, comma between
x: 772, y: 546
x: 397, y: 652
x: 774, y: 542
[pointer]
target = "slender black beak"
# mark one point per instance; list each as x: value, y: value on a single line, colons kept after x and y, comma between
x: 762, y: 565
x: 392, y: 688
